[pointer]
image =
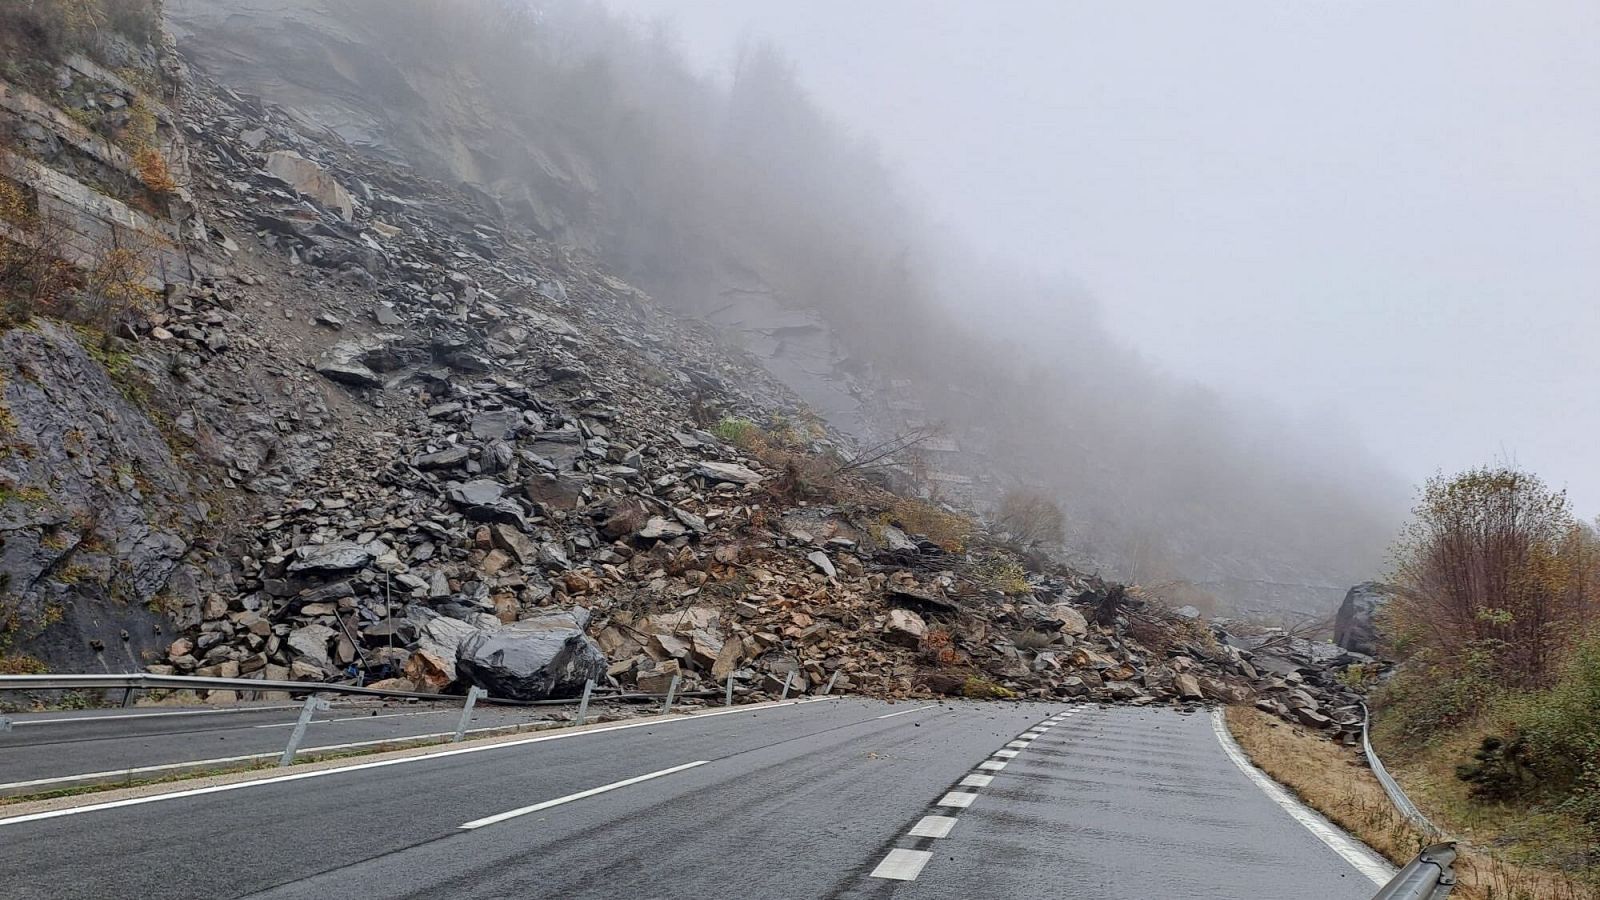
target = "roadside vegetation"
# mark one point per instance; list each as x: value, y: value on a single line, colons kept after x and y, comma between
x: 1335, y: 781
x: 1492, y: 719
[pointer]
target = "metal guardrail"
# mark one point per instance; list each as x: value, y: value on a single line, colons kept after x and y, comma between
x: 141, y: 681
x: 1430, y: 876
x: 1397, y: 795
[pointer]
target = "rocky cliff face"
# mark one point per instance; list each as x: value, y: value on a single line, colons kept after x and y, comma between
x: 367, y: 431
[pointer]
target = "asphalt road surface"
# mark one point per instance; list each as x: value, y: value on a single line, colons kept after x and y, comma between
x: 843, y: 798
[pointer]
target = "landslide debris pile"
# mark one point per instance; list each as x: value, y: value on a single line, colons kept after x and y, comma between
x: 466, y: 457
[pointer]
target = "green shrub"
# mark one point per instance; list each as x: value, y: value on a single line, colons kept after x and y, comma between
x: 742, y: 433
x: 1562, y: 730
x: 1499, y: 770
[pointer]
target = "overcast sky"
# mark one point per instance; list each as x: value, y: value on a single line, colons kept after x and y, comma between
x: 1385, y: 213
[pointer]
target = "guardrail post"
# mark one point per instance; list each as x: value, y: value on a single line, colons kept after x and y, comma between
x: 127, y: 697
x: 786, y: 683
x: 672, y: 689
x: 473, y: 693
x: 583, y: 705
x: 313, y: 703
x: 829, y: 689
x: 727, y: 699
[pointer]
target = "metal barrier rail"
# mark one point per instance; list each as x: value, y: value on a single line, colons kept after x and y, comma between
x: 1430, y: 876
x: 143, y: 681
x: 1397, y: 795
x: 138, y: 681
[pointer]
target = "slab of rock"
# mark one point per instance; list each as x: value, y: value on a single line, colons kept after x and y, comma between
x: 429, y: 672
x: 530, y: 660
x: 1187, y: 686
x: 905, y: 628
x: 311, y: 642
x: 499, y: 424
x: 659, y: 528
x: 897, y: 541
x: 330, y: 558
x: 448, y: 458
x: 823, y: 563
x: 1071, y: 621
x: 484, y: 500
x: 311, y: 180
x: 729, y: 472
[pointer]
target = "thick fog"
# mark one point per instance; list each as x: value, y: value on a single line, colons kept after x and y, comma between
x: 1223, y: 282
x: 1380, y: 218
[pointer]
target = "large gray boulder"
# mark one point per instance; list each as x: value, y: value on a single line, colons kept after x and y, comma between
x: 1355, y: 627
x: 535, y: 659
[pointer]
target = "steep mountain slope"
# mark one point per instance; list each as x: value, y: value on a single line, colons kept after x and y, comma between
x: 278, y: 409
x: 743, y: 206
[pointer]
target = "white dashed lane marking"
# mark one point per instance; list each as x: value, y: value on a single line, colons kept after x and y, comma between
x: 958, y: 799
x: 906, y: 863
x: 902, y: 865
x: 933, y: 827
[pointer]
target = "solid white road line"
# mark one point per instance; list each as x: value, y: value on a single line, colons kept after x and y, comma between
x: 152, y: 715
x: 933, y: 827
x: 382, y: 763
x: 513, y: 813
x: 1353, y: 851
x: 902, y: 865
x: 977, y: 780
x: 198, y: 764
x: 957, y: 799
x: 360, y: 718
x: 993, y: 765
x: 905, y: 712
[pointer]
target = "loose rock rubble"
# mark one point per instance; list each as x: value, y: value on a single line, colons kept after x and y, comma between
x: 451, y: 454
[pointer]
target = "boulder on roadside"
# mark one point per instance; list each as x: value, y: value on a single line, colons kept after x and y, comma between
x: 536, y: 659
x: 1355, y: 626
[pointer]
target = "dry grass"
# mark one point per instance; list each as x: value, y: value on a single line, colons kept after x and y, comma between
x: 1335, y: 782
x: 1519, y: 835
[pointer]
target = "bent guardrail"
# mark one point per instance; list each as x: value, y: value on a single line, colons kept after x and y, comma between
x: 1430, y: 876
x: 1397, y: 795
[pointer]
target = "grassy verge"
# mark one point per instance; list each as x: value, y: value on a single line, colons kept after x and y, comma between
x: 1335, y: 781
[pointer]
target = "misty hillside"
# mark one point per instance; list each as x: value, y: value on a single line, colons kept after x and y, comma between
x: 742, y: 203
